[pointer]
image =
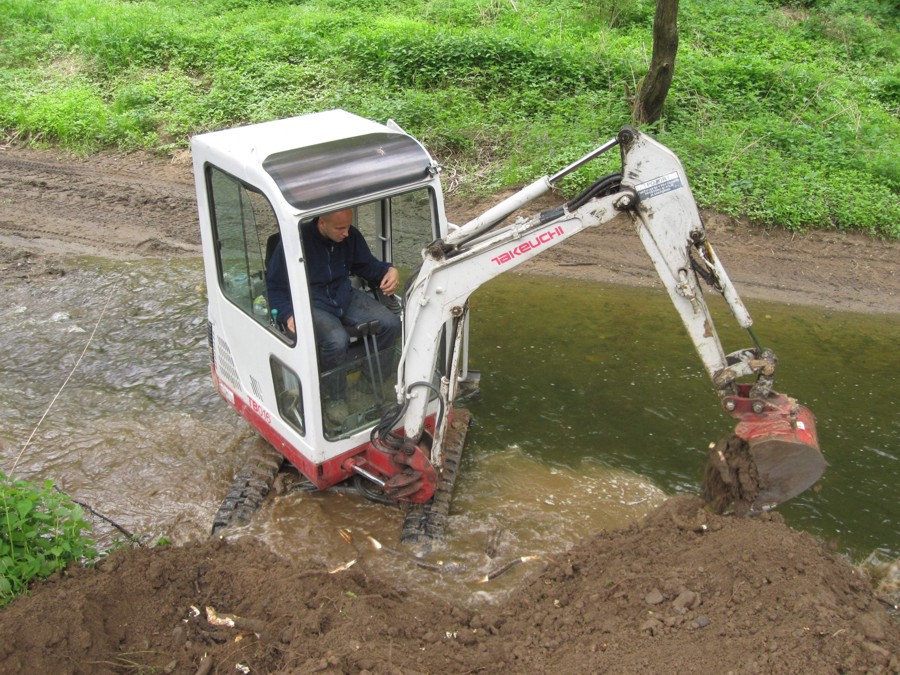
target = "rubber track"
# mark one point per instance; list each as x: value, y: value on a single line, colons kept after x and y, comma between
x: 250, y: 487
x: 425, y: 523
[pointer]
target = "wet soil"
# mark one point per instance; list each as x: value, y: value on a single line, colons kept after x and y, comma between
x: 686, y: 590
x: 128, y: 206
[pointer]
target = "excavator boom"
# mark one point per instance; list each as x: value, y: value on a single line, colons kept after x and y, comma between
x: 775, y: 438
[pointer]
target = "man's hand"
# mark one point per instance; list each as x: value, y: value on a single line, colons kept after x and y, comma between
x: 390, y: 281
x: 290, y: 325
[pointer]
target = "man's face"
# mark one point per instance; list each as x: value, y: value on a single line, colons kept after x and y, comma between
x: 336, y: 226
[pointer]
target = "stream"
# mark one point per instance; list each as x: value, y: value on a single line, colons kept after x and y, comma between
x: 593, y: 409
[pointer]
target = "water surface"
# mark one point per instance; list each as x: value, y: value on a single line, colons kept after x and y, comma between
x: 594, y: 406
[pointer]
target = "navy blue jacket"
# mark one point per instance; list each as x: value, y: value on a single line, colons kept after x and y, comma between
x: 329, y: 265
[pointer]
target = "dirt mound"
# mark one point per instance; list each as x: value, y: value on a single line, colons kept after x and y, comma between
x: 685, y: 591
x: 688, y: 591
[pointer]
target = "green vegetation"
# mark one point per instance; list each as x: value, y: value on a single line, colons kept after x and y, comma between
x: 40, y: 533
x: 784, y: 112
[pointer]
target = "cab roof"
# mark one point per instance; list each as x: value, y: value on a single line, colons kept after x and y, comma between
x: 326, y: 157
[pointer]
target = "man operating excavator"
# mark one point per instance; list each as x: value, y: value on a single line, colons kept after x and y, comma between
x: 334, y: 250
x: 408, y: 452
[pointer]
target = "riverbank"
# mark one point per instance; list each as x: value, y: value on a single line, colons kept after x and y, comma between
x: 127, y: 206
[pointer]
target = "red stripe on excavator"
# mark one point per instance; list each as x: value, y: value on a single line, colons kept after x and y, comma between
x: 324, y: 475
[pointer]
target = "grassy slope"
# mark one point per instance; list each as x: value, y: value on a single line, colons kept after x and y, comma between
x: 786, y: 115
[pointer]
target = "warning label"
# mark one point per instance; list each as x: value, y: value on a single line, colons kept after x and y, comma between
x: 658, y: 186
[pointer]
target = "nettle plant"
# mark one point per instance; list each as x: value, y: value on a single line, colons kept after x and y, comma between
x: 41, y: 532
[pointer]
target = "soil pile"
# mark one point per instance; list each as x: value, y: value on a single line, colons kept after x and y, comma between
x: 685, y: 591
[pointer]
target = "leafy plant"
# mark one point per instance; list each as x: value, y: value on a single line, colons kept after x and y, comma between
x: 41, y: 532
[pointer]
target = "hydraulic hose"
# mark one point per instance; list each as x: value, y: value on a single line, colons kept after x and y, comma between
x: 600, y: 188
x: 383, y: 437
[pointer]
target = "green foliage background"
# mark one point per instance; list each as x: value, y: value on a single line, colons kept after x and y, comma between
x: 783, y: 112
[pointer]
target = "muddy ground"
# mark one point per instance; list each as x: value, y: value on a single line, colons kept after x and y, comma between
x: 684, y: 591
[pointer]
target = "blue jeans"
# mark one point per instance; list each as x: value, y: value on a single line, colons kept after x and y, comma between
x: 333, y: 342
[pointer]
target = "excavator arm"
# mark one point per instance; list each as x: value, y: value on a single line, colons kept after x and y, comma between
x: 774, y: 453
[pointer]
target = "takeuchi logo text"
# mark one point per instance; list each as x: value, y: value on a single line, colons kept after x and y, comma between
x: 530, y: 245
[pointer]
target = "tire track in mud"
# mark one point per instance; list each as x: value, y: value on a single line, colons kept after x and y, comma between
x: 95, y: 206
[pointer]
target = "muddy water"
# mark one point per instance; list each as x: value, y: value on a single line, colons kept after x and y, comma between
x: 135, y: 432
x: 593, y: 408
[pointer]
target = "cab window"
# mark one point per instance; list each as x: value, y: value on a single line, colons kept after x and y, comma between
x: 397, y: 228
x: 245, y: 226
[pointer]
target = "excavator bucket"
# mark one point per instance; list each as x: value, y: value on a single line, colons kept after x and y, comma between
x: 772, y: 456
x: 786, y: 452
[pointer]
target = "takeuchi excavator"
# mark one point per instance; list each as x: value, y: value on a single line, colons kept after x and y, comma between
x: 399, y: 433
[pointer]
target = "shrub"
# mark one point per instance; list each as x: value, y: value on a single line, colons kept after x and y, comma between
x: 41, y: 532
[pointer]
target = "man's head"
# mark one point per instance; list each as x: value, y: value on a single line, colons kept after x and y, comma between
x: 336, y: 225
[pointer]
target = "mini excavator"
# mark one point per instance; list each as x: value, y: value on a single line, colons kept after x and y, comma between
x: 400, y: 431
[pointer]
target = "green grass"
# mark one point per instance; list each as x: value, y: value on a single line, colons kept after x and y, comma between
x: 785, y: 114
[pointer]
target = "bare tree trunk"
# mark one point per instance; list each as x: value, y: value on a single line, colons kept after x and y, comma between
x: 653, y: 89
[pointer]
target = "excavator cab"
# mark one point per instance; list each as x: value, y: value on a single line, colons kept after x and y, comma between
x: 257, y: 186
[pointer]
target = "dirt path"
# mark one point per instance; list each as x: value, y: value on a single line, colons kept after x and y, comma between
x: 685, y: 591
x: 135, y: 205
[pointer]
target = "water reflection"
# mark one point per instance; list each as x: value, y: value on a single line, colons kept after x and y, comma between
x: 593, y: 405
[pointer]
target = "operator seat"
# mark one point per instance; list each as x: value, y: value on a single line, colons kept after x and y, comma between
x: 271, y: 244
